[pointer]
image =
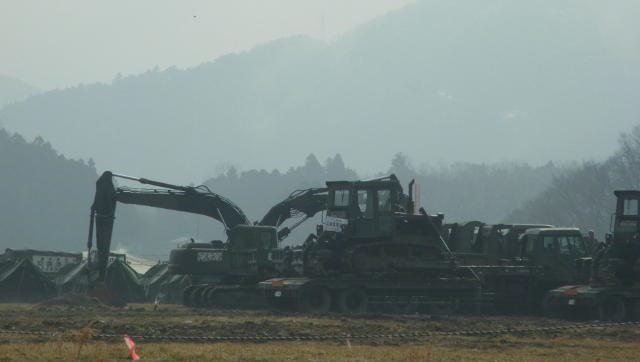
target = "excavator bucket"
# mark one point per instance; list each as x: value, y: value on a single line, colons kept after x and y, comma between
x: 100, y: 292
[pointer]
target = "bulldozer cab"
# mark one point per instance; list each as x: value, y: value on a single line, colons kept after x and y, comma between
x: 627, y: 216
x: 363, y: 209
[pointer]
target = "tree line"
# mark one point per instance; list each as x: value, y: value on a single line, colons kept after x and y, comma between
x: 583, y: 196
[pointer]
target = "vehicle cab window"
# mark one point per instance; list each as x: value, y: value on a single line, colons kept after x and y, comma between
x: 384, y: 200
x: 527, y: 242
x: 365, y: 203
x: 571, y: 245
x: 341, y: 198
x: 266, y: 239
x: 630, y: 207
x: 548, y: 243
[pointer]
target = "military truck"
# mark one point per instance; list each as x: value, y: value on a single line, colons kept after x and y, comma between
x: 611, y: 290
x: 546, y: 260
x: 478, y: 243
x: 376, y: 250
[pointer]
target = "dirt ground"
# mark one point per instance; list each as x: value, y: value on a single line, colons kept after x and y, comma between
x: 73, y: 319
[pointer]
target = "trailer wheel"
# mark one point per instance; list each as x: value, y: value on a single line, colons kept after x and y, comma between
x: 549, y: 310
x: 353, y: 301
x: 209, y: 297
x: 197, y: 297
x: 315, y: 300
x: 186, y: 296
x: 612, y: 308
x: 635, y: 310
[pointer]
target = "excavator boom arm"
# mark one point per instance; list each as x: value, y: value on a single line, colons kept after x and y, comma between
x: 196, y: 200
x: 305, y: 203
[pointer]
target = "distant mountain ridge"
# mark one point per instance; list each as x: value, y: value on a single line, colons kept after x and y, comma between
x: 14, y: 90
x: 442, y: 81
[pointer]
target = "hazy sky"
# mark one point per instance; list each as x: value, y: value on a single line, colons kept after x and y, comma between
x: 53, y: 44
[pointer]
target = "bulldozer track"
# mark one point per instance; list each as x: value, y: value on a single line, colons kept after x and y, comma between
x: 334, y: 337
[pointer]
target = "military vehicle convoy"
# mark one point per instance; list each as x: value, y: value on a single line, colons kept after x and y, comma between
x: 376, y: 250
x: 610, y: 289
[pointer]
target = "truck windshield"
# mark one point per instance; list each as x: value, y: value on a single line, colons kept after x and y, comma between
x: 571, y: 245
x: 563, y: 245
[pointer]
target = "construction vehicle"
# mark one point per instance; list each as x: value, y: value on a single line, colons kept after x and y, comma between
x: 376, y: 250
x: 214, y: 287
x: 610, y: 289
x: 250, y: 254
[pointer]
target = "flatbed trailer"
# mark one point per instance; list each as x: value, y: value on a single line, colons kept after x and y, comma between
x: 353, y: 294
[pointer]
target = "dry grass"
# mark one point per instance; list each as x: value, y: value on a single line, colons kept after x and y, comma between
x: 459, y: 349
x: 72, y: 325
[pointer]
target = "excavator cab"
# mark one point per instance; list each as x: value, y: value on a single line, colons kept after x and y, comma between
x: 253, y: 249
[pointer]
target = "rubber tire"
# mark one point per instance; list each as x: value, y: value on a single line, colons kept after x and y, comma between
x: 186, y: 296
x: 353, y: 301
x: 613, y: 309
x: 635, y: 310
x: 315, y: 300
x: 197, y: 297
x: 548, y: 310
x: 209, y: 297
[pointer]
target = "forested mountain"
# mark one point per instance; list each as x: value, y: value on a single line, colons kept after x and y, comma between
x: 45, y: 197
x: 443, y: 81
x: 583, y: 197
x: 14, y: 90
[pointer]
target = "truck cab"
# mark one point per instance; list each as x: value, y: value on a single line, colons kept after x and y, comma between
x: 555, y: 250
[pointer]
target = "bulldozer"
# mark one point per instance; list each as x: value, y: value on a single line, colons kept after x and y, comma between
x: 376, y: 250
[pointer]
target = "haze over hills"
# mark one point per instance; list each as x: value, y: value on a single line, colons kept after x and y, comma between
x: 14, y: 90
x: 441, y: 81
x: 46, y: 197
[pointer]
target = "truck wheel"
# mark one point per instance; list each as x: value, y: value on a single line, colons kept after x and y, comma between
x: 612, y: 308
x: 315, y: 300
x: 353, y: 301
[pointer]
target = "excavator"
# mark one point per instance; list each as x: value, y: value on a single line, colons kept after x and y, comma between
x: 250, y: 253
